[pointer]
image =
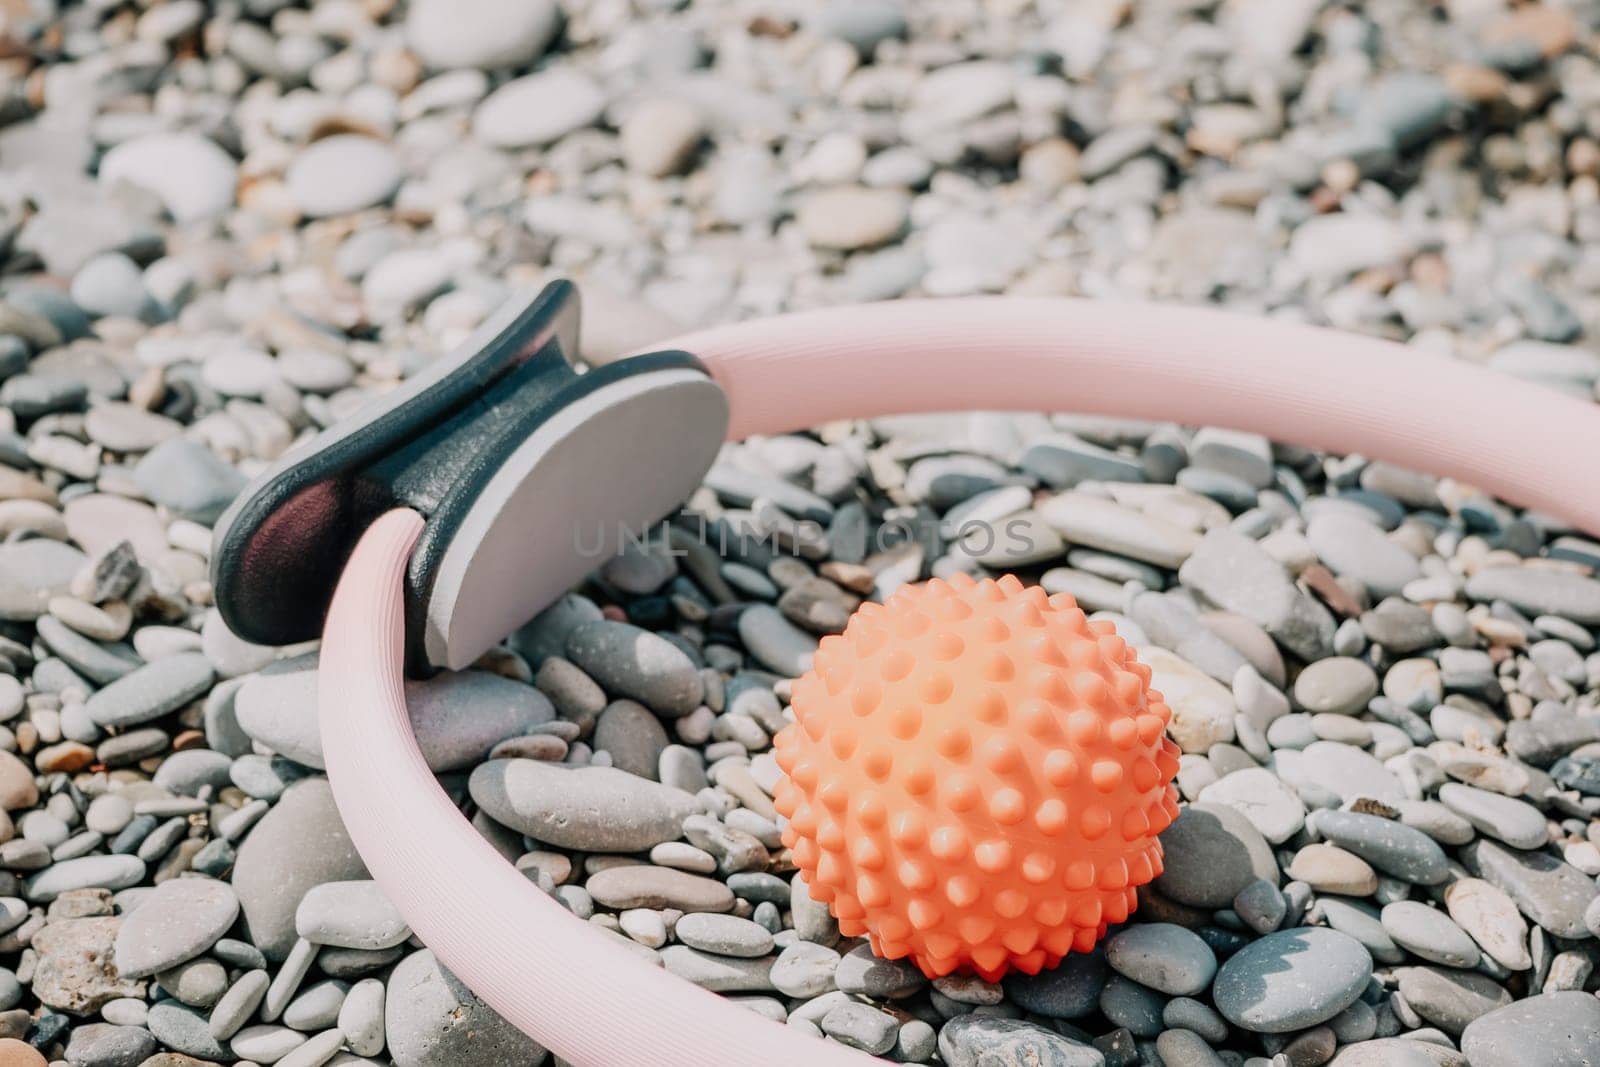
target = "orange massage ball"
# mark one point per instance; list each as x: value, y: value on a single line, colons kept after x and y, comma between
x: 976, y: 776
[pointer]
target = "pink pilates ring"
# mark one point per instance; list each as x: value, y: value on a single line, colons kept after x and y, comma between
x: 578, y: 990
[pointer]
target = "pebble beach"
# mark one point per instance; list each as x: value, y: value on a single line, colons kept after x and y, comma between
x: 226, y: 226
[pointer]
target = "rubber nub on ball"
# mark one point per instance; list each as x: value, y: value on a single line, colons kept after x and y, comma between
x: 976, y: 776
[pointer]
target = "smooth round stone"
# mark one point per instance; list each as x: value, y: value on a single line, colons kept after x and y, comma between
x: 1492, y: 920
x: 1398, y: 1052
x: 355, y: 914
x: 1414, y: 684
x: 186, y: 1030
x: 312, y: 370
x: 1449, y: 998
x: 32, y: 573
x: 125, y: 428
x: 193, y: 177
x: 1340, y: 685
x: 720, y: 974
x: 724, y: 935
x: 361, y: 1017
x: 341, y: 174
x: 595, y: 809
x: 298, y: 844
x: 433, y: 1020
x: 850, y: 217
x: 638, y: 664
x: 105, y: 1045
x: 659, y: 137
x: 804, y: 970
x: 199, y: 983
x: 480, y: 34
x: 1539, y: 591
x: 1354, y: 548
x: 151, y: 691
x: 985, y: 1040
x: 88, y: 872
x: 1429, y: 933
x: 777, y: 643
x: 1211, y: 853
x: 177, y: 921
x: 861, y: 1026
x: 1551, y: 893
x: 1390, y: 846
x: 633, y: 736
x: 1291, y: 980
x: 1517, y: 823
x: 265, y: 1044
x: 188, y: 479
x: 1257, y: 794
x: 1330, y: 869
x: 317, y: 1007
x: 862, y: 972
x: 538, y: 109
x: 1070, y: 990
x: 110, y: 284
x: 186, y: 773
x: 1084, y: 519
x: 457, y: 716
x: 1550, y: 1030
x: 1162, y: 956
x: 1343, y: 770
x: 643, y: 886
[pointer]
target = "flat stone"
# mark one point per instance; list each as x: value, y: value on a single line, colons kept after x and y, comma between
x: 104, y: 1045
x: 151, y: 691
x: 1211, y: 853
x: 1330, y: 869
x: 1429, y: 933
x: 1449, y: 998
x: 861, y: 971
x: 1291, y: 980
x: 777, y: 643
x: 1257, y: 794
x: 1235, y: 573
x: 643, y: 886
x: 1162, y: 956
x: 1351, y: 547
x: 804, y: 970
x: 188, y: 478
x: 88, y: 872
x: 185, y: 1030
x: 1340, y: 685
x: 191, y: 174
x: 1551, y: 893
x: 1539, y: 591
x: 1344, y: 770
x: 1549, y: 1030
x: 1070, y: 990
x: 433, y: 1020
x: 720, y: 974
x: 1202, y: 708
x: 638, y: 664
x: 32, y: 573
x: 1104, y: 524
x: 343, y: 173
x: 180, y: 919
x: 301, y: 842
x: 990, y: 1041
x: 1390, y: 846
x: 1490, y: 917
x: 351, y: 914
x: 598, y: 809
x: 538, y: 109
x: 723, y: 935
x: 457, y: 716
x: 480, y: 34
x: 850, y: 217
x: 1517, y: 823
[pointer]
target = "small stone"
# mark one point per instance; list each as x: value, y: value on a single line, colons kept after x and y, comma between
x: 480, y: 34
x: 179, y: 920
x: 723, y: 935
x: 989, y: 1041
x: 1162, y: 956
x: 638, y: 664
x: 1339, y: 685
x: 538, y: 109
x: 433, y: 1019
x: 192, y: 175
x: 341, y: 174
x: 354, y: 914
x: 1291, y: 980
x: 642, y: 886
x: 852, y: 217
x: 598, y: 809
x: 1450, y: 999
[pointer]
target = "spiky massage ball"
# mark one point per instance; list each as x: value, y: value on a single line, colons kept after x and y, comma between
x: 976, y: 776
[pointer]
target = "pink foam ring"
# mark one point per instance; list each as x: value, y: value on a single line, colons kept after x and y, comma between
x: 579, y: 990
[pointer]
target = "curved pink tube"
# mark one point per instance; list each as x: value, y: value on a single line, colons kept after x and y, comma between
x: 580, y: 991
